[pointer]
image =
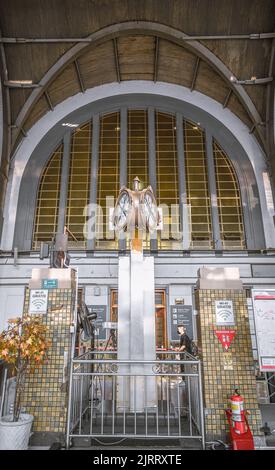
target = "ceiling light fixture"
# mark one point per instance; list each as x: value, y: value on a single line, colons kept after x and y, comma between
x: 21, y: 84
x: 252, y: 81
x: 69, y: 124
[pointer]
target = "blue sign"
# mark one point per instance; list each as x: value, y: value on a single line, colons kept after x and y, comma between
x: 49, y: 283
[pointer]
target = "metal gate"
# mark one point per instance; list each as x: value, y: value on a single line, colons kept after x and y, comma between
x: 93, y: 409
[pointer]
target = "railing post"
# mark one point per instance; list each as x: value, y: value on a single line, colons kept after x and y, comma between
x: 71, y: 366
x: 201, y: 407
x: 69, y: 406
x: 3, y: 392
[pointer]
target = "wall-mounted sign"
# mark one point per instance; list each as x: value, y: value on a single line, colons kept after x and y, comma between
x: 49, y: 284
x: 101, y: 311
x: 227, y: 361
x: 38, y: 301
x: 264, y: 314
x: 225, y: 337
x: 224, y: 312
x: 181, y: 315
x: 110, y: 325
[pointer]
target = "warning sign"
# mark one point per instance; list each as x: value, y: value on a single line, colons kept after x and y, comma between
x: 38, y: 301
x: 225, y: 337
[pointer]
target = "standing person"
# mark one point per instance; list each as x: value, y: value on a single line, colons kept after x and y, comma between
x: 185, y: 344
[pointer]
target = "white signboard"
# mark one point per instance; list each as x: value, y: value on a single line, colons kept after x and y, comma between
x: 224, y: 312
x: 38, y: 301
x: 111, y: 325
x: 264, y: 314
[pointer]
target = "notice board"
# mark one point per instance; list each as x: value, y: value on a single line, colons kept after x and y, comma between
x: 101, y: 311
x: 264, y: 315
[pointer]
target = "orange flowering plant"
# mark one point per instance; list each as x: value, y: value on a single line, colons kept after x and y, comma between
x: 23, y: 345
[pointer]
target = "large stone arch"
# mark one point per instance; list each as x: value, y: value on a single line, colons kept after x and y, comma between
x: 230, y: 132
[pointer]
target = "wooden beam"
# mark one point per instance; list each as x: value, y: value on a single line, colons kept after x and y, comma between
x: 79, y: 76
x: 252, y: 129
x: 227, y: 98
x: 156, y: 60
x: 48, y: 99
x: 24, y: 133
x: 195, y: 74
x: 116, y: 60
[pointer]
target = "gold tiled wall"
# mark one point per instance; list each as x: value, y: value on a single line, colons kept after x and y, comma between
x: 218, y: 382
x: 46, y: 390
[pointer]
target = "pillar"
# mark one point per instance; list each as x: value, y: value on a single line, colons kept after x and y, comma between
x: 46, y: 390
x: 225, y: 371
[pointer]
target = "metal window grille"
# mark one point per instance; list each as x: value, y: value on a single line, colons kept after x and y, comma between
x: 108, y: 177
x: 229, y: 201
x: 79, y: 183
x: 47, y: 203
x: 137, y: 153
x: 198, y: 197
x: 167, y: 179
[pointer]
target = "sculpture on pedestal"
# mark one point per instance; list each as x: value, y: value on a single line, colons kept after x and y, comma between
x: 136, y: 211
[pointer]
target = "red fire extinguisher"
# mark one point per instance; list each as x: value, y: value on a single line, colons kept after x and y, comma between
x: 238, y: 413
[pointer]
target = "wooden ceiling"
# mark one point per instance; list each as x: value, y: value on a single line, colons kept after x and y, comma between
x: 136, y: 57
x: 131, y: 56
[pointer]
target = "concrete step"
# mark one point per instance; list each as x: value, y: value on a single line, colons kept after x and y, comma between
x: 134, y: 444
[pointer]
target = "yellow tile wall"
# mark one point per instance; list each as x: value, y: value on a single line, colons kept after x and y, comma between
x: 46, y: 391
x: 219, y: 383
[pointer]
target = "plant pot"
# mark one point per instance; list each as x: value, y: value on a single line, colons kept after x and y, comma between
x: 15, y: 436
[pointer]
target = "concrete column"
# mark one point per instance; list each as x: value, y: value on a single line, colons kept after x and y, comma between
x: 136, y: 332
x: 152, y: 164
x: 94, y: 174
x: 184, y: 211
x: 123, y: 160
x: 213, y: 191
x: 229, y: 369
x: 64, y: 182
x: 123, y: 331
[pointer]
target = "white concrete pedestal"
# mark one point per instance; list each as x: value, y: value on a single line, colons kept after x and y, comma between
x: 136, y: 332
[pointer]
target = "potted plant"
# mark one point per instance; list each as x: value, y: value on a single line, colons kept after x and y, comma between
x: 23, y: 345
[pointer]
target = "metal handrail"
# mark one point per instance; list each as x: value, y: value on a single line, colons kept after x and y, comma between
x: 87, y: 397
x: 158, y: 351
x: 3, y: 384
x: 132, y: 361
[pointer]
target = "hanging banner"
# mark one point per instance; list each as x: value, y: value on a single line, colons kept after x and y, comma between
x: 264, y: 315
x: 225, y: 337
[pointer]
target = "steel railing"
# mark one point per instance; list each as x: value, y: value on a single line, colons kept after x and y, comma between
x: 3, y: 385
x: 113, y: 398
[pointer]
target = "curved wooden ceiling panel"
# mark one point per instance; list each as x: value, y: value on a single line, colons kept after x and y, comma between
x: 136, y: 59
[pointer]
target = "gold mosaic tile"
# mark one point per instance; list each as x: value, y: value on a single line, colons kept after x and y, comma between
x: 45, y: 394
x: 219, y: 384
